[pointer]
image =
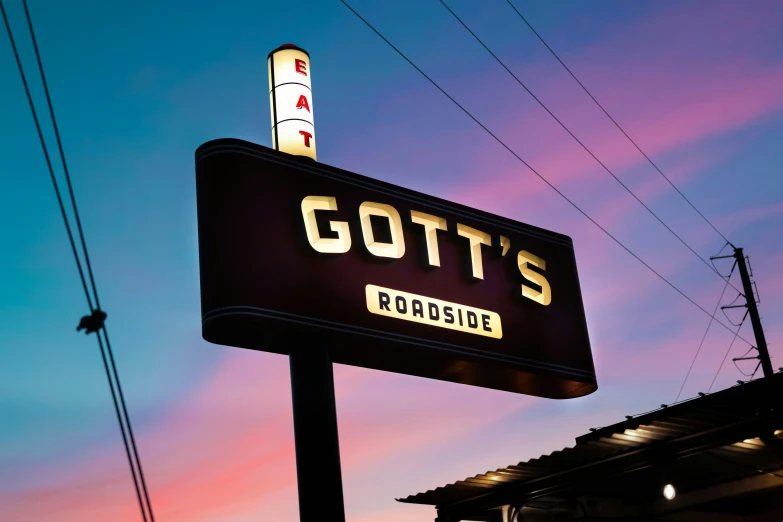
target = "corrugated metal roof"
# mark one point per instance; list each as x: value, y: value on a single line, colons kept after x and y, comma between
x: 702, y: 417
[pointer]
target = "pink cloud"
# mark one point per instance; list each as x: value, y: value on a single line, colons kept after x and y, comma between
x: 721, y: 109
x: 219, y: 452
x: 768, y: 275
x: 228, y: 451
x: 738, y: 220
x: 663, y: 99
x: 653, y: 187
x: 423, y: 413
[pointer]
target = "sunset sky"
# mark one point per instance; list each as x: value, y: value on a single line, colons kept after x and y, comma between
x: 138, y: 86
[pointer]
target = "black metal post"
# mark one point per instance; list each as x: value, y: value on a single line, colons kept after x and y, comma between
x: 318, y: 474
x: 753, y: 312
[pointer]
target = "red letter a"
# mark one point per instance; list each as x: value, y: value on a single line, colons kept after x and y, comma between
x: 302, y: 103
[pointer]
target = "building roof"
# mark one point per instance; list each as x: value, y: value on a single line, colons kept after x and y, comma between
x: 702, y: 443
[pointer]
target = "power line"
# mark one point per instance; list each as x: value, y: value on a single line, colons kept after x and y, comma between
x: 570, y: 133
x: 752, y: 375
x: 617, y: 124
x: 127, y: 418
x: 89, y: 271
x: 736, y: 334
x: 696, y: 355
x: 122, y: 429
x: 534, y: 171
x: 94, y: 322
x: 46, y: 153
x: 62, y: 153
x: 73, y: 246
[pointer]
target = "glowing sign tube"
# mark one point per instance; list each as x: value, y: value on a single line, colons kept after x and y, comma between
x: 291, y: 101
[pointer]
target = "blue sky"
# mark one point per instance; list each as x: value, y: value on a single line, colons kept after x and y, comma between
x: 138, y: 88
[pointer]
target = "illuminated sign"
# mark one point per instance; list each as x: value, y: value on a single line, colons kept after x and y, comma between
x: 395, y: 247
x: 395, y: 280
x: 426, y: 310
x: 291, y: 101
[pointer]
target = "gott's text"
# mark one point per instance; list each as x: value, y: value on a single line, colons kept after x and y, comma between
x: 394, y: 247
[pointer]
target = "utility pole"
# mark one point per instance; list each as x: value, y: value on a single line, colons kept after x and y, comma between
x: 753, y: 311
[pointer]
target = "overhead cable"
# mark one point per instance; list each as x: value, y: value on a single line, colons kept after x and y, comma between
x: 46, y: 154
x: 570, y: 133
x: 633, y: 142
x: 703, y: 337
x: 736, y: 334
x: 89, y: 266
x: 534, y: 171
x: 94, y: 322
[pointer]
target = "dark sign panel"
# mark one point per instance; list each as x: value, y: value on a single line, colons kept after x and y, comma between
x: 294, y: 251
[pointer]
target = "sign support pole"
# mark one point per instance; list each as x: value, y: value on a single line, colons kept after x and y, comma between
x: 318, y: 474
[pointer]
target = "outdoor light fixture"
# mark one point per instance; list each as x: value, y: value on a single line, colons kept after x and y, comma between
x: 669, y: 492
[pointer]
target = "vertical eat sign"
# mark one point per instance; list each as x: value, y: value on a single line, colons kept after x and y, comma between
x: 291, y: 100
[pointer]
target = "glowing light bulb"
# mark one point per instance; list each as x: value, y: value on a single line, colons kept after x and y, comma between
x: 669, y: 492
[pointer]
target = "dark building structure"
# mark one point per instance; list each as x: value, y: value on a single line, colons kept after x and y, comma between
x: 722, y: 453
